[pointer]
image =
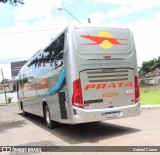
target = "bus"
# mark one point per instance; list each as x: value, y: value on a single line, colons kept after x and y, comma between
x: 85, y: 74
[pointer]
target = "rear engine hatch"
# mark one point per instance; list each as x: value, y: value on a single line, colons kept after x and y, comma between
x: 102, y: 88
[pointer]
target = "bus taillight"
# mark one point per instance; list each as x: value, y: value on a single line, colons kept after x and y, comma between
x: 77, y: 99
x: 137, y: 91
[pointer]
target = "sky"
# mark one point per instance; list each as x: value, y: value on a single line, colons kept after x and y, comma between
x: 26, y: 29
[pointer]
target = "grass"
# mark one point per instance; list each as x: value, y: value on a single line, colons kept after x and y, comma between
x: 150, y: 96
x: 13, y: 103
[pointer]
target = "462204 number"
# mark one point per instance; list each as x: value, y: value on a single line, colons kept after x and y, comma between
x: 110, y: 94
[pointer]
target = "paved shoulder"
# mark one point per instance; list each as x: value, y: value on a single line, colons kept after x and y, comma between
x: 148, y: 106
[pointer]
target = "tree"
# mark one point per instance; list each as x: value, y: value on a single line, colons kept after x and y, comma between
x: 148, y: 66
x: 4, y: 81
x: 13, y: 2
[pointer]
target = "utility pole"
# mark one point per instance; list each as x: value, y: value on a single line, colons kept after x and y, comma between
x: 4, y: 86
x: 60, y: 9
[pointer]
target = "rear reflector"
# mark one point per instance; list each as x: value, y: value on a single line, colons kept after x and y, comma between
x: 107, y: 57
x: 74, y: 111
x: 137, y: 91
x: 77, y: 99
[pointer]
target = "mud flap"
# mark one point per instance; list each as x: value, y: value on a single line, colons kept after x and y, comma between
x: 62, y: 99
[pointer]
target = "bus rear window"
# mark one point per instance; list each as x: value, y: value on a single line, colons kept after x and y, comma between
x: 103, y: 40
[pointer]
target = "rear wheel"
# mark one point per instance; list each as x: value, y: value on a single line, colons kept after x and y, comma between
x: 50, y: 124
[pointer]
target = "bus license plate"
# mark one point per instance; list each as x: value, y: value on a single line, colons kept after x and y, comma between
x: 111, y: 115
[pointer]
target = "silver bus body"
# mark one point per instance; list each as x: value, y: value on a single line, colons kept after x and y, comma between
x: 86, y: 74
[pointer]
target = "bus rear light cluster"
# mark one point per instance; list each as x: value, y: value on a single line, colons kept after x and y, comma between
x: 137, y: 90
x: 77, y: 99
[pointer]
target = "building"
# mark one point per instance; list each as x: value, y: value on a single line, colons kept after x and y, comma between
x: 15, y: 68
x: 10, y: 85
x: 152, y: 77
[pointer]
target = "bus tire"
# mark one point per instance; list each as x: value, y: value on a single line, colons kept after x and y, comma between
x: 50, y: 124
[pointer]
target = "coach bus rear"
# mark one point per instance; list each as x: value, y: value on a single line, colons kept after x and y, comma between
x: 103, y: 72
x: 85, y: 74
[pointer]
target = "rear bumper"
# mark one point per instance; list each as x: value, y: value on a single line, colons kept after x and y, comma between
x: 85, y: 116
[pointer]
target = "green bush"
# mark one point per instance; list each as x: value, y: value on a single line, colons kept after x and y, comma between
x: 9, y: 99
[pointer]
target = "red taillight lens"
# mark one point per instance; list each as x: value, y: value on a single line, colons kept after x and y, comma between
x: 77, y: 99
x: 137, y: 91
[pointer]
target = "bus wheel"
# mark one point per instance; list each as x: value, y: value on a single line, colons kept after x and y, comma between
x: 50, y: 124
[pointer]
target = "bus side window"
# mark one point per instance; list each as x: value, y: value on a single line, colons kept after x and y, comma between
x: 54, y: 53
x: 51, y: 57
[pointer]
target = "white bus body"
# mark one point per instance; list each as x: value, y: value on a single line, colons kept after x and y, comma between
x: 86, y: 74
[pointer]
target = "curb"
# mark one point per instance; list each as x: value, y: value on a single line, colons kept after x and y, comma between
x: 9, y: 104
x: 150, y: 106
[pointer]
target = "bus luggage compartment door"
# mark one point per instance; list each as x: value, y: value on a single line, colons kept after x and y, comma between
x: 102, y: 88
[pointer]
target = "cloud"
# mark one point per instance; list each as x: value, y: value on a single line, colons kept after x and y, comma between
x: 146, y: 34
x: 97, y: 17
x: 123, y: 11
x: 22, y: 40
x: 136, y: 4
x: 36, y: 8
x: 68, y: 1
x: 28, y: 39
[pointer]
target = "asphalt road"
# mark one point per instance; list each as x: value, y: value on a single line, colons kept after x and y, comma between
x: 17, y: 129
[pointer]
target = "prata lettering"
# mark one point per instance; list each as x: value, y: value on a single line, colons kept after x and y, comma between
x: 111, y: 85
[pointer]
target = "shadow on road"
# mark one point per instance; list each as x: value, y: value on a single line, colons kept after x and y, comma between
x: 83, y: 133
x: 11, y: 124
